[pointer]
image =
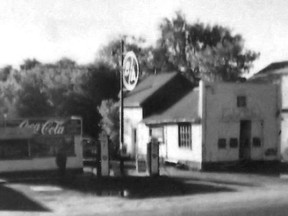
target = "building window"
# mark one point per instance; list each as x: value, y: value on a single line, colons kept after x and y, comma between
x: 221, y: 143
x: 256, y: 142
x: 233, y: 142
x: 185, y: 136
x: 241, y: 101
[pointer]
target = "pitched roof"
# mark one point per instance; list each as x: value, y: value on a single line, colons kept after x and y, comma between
x: 273, y: 70
x: 147, y: 88
x: 185, y: 110
x: 276, y: 66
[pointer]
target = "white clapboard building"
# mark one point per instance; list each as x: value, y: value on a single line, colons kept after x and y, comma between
x: 203, y: 126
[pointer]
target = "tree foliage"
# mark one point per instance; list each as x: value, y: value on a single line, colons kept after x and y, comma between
x: 109, y: 111
x: 29, y: 64
x: 64, y: 89
x: 201, y: 51
x: 111, y: 53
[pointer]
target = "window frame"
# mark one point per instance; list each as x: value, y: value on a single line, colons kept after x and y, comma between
x: 185, y: 135
x: 222, y: 143
x: 233, y: 142
x: 241, y: 101
x: 256, y: 142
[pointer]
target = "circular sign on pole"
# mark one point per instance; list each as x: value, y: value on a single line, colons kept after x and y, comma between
x: 130, y: 71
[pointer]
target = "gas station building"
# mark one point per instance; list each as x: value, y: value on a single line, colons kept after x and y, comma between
x: 213, y: 123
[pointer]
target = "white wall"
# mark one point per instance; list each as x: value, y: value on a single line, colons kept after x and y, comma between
x: 226, y: 131
x: 284, y: 91
x: 284, y: 137
x: 175, y: 153
x: 47, y: 163
x: 143, y: 138
x: 132, y: 117
x: 284, y: 122
x: 222, y: 118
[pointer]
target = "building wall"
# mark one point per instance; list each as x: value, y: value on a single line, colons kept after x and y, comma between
x: 47, y: 163
x: 175, y: 153
x: 284, y: 119
x: 284, y: 91
x: 142, y: 139
x: 222, y: 120
x: 132, y: 117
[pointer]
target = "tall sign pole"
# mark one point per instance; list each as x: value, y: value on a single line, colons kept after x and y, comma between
x: 121, y: 113
x: 129, y: 75
x: 121, y: 97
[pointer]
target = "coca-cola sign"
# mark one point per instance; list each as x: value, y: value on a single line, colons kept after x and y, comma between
x: 46, y: 127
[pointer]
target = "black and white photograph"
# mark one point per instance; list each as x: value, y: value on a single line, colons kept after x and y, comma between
x: 148, y: 107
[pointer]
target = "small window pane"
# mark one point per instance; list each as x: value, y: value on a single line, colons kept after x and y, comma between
x: 241, y: 101
x: 233, y: 143
x: 221, y: 143
x: 256, y: 142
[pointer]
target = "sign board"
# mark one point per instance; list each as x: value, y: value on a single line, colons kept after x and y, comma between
x: 46, y: 126
x: 130, y: 71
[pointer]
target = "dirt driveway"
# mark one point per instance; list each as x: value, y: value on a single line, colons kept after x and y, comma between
x: 172, y: 193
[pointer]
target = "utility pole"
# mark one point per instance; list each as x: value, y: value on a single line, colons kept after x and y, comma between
x: 121, y: 113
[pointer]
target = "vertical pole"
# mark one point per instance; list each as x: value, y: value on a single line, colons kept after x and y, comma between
x: 5, y: 119
x: 121, y: 117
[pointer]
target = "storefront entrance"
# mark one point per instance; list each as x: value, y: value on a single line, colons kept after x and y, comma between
x: 245, y: 140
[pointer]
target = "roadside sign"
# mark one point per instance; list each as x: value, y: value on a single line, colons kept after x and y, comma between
x: 130, y: 71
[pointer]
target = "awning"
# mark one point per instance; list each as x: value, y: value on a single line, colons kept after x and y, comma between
x: 15, y: 133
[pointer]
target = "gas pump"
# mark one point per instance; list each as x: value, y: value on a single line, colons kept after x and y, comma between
x: 103, y: 166
x: 153, y: 157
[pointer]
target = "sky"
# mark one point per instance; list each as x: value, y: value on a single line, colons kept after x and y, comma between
x: 51, y: 29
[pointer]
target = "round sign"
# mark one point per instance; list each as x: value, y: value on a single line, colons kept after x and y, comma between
x: 130, y: 71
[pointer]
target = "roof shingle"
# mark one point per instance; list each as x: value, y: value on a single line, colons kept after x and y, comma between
x: 185, y: 110
x: 146, y: 88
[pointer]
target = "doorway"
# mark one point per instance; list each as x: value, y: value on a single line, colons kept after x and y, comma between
x: 245, y: 140
x: 134, y: 142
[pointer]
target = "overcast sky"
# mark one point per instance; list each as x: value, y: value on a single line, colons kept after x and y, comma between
x: 50, y: 29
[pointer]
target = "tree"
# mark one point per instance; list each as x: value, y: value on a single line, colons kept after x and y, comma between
x: 44, y: 88
x: 33, y: 100
x: 110, y: 54
x: 29, y: 64
x: 101, y: 82
x: 201, y: 51
x: 109, y: 111
x: 9, y: 87
x: 65, y: 89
